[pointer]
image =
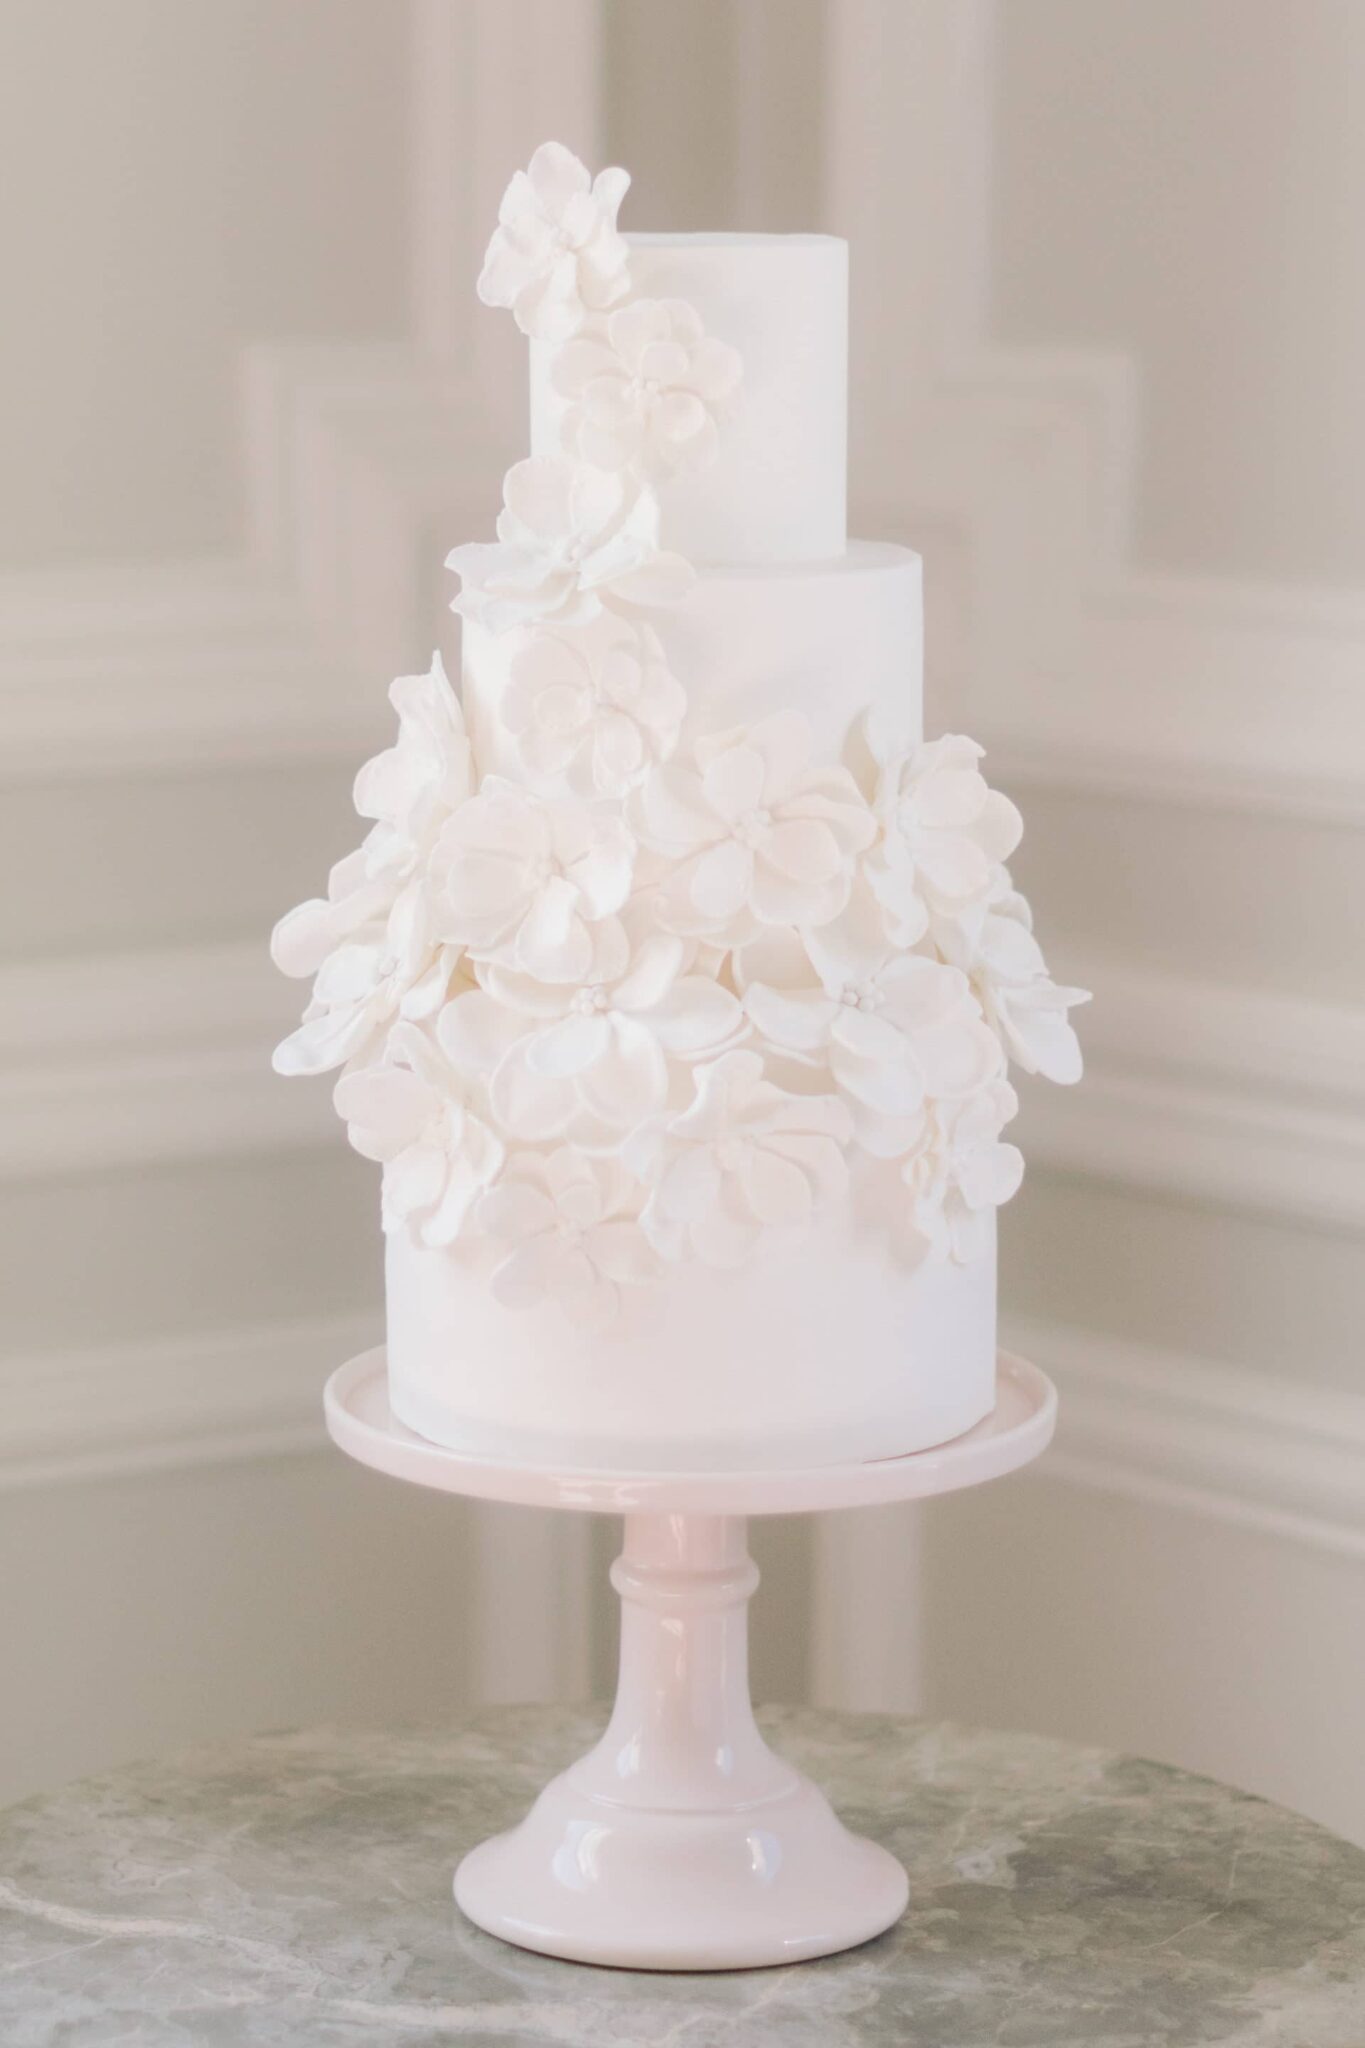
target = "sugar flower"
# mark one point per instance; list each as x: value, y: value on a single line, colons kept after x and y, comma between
x: 895, y: 1028
x: 418, y: 1115
x: 745, y: 1158
x: 409, y: 791
x: 645, y: 388
x: 556, y: 251
x: 596, y: 704
x: 411, y: 788
x: 758, y: 829
x: 572, y: 542
x: 593, y: 1059
x: 387, y: 967
x: 566, y: 1231
x: 370, y: 942
x: 943, y: 831
x: 523, y: 878
x: 960, y: 1172
x: 994, y: 944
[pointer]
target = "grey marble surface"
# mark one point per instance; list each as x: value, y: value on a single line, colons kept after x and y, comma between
x: 296, y: 1889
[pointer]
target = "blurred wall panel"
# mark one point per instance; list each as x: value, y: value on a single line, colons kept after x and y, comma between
x: 183, y: 178
x: 245, y: 421
x: 716, y: 107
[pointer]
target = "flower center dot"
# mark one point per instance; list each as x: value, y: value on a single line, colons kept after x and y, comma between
x: 861, y: 996
x: 752, y: 825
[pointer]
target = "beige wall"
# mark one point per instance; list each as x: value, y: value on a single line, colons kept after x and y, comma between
x: 1185, y: 182
x: 1110, y: 315
x: 184, y: 180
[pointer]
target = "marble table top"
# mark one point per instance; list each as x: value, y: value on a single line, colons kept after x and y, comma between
x: 296, y: 1889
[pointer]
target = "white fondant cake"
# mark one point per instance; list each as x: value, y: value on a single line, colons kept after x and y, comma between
x: 677, y: 981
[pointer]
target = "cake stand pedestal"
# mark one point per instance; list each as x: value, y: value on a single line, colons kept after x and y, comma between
x: 682, y: 1842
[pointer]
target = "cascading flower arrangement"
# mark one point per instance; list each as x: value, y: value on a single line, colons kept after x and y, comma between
x: 645, y: 1004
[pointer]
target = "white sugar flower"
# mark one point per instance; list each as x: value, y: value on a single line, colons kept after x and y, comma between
x: 386, y: 967
x: 591, y: 1060
x: 993, y: 942
x: 569, y: 1233
x: 645, y: 389
x: 960, y: 1171
x: 418, y: 1119
x: 556, y: 251
x: 895, y: 1028
x: 759, y: 829
x: 943, y: 831
x: 596, y: 704
x: 355, y: 900
x: 572, y: 541
x: 524, y: 877
x: 744, y: 1158
x: 411, y: 789
x: 370, y: 941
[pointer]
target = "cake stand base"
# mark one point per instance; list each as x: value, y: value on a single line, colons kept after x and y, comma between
x: 681, y: 1842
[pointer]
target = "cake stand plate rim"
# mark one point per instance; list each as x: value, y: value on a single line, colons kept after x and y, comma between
x: 1019, y: 1429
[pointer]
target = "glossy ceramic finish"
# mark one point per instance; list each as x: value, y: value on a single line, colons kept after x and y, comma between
x: 680, y: 1841
x: 359, y: 1419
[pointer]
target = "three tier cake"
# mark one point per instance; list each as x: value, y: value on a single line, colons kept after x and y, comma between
x: 677, y: 981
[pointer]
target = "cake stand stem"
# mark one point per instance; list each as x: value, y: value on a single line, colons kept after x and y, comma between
x: 682, y: 1728
x: 681, y: 1841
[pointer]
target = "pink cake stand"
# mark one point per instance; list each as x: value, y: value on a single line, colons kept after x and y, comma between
x: 681, y: 1842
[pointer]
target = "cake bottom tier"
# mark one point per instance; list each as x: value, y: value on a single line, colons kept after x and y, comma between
x: 822, y: 1351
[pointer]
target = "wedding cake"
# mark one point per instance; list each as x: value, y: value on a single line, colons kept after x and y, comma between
x: 677, y: 981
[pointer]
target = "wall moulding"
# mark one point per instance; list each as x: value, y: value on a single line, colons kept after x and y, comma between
x: 1257, y: 1452
x: 170, y: 1402
x: 1075, y: 663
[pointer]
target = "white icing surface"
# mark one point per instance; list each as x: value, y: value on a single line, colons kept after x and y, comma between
x: 829, y: 639
x: 777, y: 490
x: 824, y: 1348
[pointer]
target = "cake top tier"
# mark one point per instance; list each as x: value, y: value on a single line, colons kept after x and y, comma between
x: 776, y: 491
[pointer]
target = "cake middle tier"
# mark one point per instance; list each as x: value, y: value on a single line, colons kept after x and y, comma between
x: 829, y: 639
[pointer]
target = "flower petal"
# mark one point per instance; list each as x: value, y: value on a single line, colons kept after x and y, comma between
x: 476, y: 1033
x: 652, y: 973
x: 570, y: 1046
x: 552, y: 940
x: 631, y: 1082
x: 777, y: 1190
x: 513, y: 1209
x: 695, y: 1017
x: 531, y: 1106
x: 799, y: 1020
x: 721, y: 880
x: 733, y: 783
x: 803, y: 849
x: 622, y: 1252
